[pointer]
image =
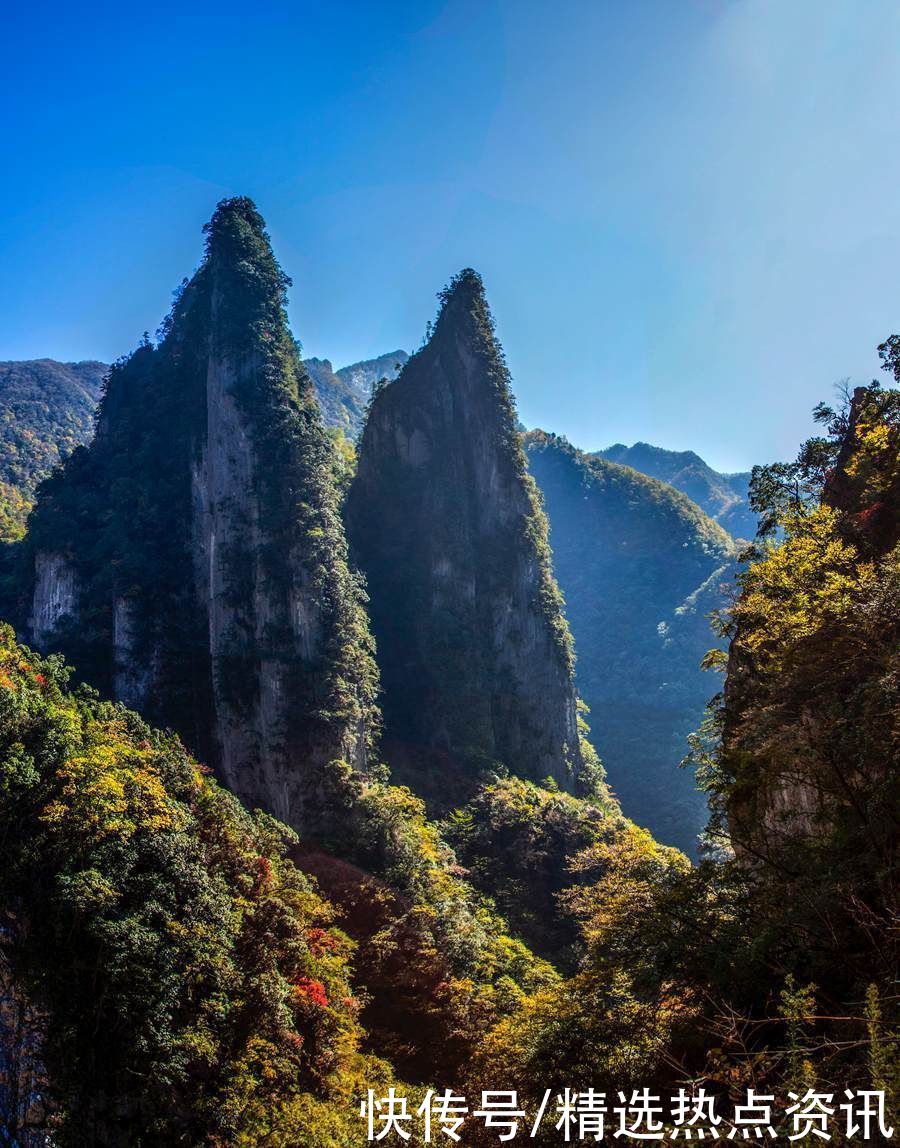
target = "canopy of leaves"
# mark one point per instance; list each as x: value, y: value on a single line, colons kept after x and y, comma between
x: 150, y: 908
x: 803, y: 777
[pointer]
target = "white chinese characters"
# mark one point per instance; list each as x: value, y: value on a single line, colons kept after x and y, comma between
x: 589, y: 1116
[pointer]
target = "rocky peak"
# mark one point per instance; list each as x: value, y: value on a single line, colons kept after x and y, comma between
x: 195, y: 550
x: 363, y: 376
x: 473, y: 647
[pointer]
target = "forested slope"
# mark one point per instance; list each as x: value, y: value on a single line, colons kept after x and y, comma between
x: 177, y: 968
x: 641, y: 568
x: 724, y: 497
x: 46, y: 410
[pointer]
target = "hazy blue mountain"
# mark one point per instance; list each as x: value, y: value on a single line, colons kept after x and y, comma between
x: 722, y: 496
x: 641, y: 567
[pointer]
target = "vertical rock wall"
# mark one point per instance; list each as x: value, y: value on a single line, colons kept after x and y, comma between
x: 444, y: 520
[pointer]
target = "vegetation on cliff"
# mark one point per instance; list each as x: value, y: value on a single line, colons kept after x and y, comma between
x: 196, y: 974
x: 145, y: 903
x: 519, y: 843
x: 805, y: 779
x: 775, y: 966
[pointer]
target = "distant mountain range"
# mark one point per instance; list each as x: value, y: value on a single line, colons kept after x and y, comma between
x: 47, y: 409
x: 641, y: 567
x: 722, y: 496
x: 344, y: 395
x: 299, y: 797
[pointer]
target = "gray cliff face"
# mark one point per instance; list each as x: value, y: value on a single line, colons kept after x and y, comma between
x: 225, y: 518
x: 54, y: 598
x: 133, y: 676
x: 444, y: 521
x: 253, y: 729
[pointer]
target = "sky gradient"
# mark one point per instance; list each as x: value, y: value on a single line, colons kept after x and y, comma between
x: 686, y: 214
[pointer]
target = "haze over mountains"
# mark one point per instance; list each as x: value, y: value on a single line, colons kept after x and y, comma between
x: 724, y: 497
x: 641, y: 568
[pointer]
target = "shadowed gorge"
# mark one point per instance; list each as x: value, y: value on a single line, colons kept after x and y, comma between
x: 641, y: 568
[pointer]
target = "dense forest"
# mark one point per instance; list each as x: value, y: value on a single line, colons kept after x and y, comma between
x: 298, y: 798
x: 637, y: 601
x: 46, y: 410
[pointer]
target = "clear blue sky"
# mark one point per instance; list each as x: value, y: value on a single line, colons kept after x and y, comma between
x: 687, y: 214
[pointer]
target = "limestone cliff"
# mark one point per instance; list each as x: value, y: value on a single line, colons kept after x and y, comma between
x: 192, y: 560
x: 473, y: 648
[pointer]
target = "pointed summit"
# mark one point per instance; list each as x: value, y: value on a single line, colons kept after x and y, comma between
x: 473, y: 647
x: 465, y: 291
x: 465, y: 321
x: 192, y: 562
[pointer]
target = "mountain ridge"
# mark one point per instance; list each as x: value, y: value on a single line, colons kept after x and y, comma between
x: 724, y: 497
x: 641, y: 566
x: 46, y: 410
x: 191, y: 560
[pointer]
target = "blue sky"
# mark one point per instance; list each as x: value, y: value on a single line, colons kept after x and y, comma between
x: 687, y: 214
